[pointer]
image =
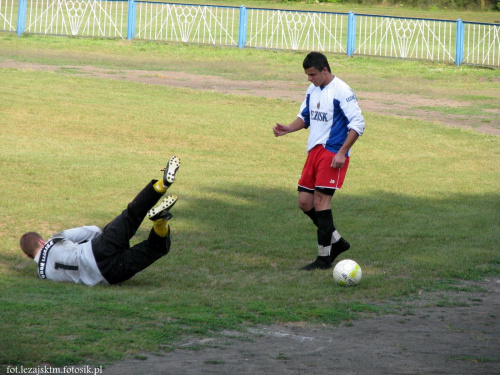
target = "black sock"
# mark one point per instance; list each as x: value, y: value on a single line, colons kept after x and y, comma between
x: 325, y: 227
x: 312, y: 215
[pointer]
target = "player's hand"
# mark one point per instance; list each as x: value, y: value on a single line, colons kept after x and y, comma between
x: 338, y: 161
x: 280, y: 129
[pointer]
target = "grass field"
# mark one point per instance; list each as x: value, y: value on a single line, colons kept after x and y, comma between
x: 420, y: 204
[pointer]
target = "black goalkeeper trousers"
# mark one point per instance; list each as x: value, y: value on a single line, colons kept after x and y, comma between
x: 116, y: 260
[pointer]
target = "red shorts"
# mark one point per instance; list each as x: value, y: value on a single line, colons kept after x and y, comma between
x: 318, y: 173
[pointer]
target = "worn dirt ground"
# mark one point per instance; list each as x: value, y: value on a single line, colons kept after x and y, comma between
x: 438, y: 333
x: 384, y: 103
x: 460, y: 337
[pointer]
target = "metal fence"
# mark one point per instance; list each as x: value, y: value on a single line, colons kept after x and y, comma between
x: 8, y: 15
x: 99, y: 18
x: 481, y: 44
x: 294, y: 30
x: 406, y: 38
x: 345, y: 33
x: 188, y: 24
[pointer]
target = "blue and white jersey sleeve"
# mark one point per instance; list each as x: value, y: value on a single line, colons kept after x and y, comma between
x: 348, y: 103
x: 304, y: 108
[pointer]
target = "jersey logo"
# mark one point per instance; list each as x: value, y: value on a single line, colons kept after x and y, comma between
x: 352, y: 97
x: 319, y: 116
x: 318, y: 105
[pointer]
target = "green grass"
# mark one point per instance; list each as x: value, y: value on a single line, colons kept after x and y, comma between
x: 420, y: 204
x: 474, y: 359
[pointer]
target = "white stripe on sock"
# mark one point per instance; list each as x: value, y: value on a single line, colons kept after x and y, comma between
x: 336, y: 237
x: 323, y: 251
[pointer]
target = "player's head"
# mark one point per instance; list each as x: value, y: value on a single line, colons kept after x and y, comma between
x: 30, y: 243
x: 317, y: 61
x: 317, y: 69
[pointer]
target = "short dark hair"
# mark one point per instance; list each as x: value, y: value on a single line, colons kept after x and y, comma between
x: 316, y: 60
x: 29, y: 243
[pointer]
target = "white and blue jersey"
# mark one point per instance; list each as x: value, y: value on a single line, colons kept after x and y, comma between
x: 330, y: 112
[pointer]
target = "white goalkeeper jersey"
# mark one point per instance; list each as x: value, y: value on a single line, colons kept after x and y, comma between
x: 68, y: 256
x: 330, y: 112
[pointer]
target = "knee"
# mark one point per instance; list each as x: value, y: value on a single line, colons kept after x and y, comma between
x: 306, y: 202
x: 322, y: 202
x: 305, y: 206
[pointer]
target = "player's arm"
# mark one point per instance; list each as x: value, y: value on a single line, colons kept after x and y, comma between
x: 356, y: 126
x: 339, y: 158
x: 81, y: 234
x: 295, y: 125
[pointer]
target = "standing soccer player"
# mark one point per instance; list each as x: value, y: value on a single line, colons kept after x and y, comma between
x: 330, y: 110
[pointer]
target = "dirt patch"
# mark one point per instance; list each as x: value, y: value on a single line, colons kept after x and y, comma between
x: 405, y: 106
x: 440, y: 333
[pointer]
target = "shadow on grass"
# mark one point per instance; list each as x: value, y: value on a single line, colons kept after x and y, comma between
x: 234, y: 262
x: 267, y: 222
x: 443, y: 235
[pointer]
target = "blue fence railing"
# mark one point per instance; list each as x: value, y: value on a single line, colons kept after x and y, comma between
x: 455, y: 42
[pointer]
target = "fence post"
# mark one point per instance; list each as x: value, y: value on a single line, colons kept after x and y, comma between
x: 131, y: 20
x: 242, y: 34
x: 459, y: 42
x: 21, y: 17
x: 351, y: 33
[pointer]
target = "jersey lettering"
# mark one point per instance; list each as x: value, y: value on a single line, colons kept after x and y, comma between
x: 44, y: 253
x: 319, y: 116
x: 352, y: 97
